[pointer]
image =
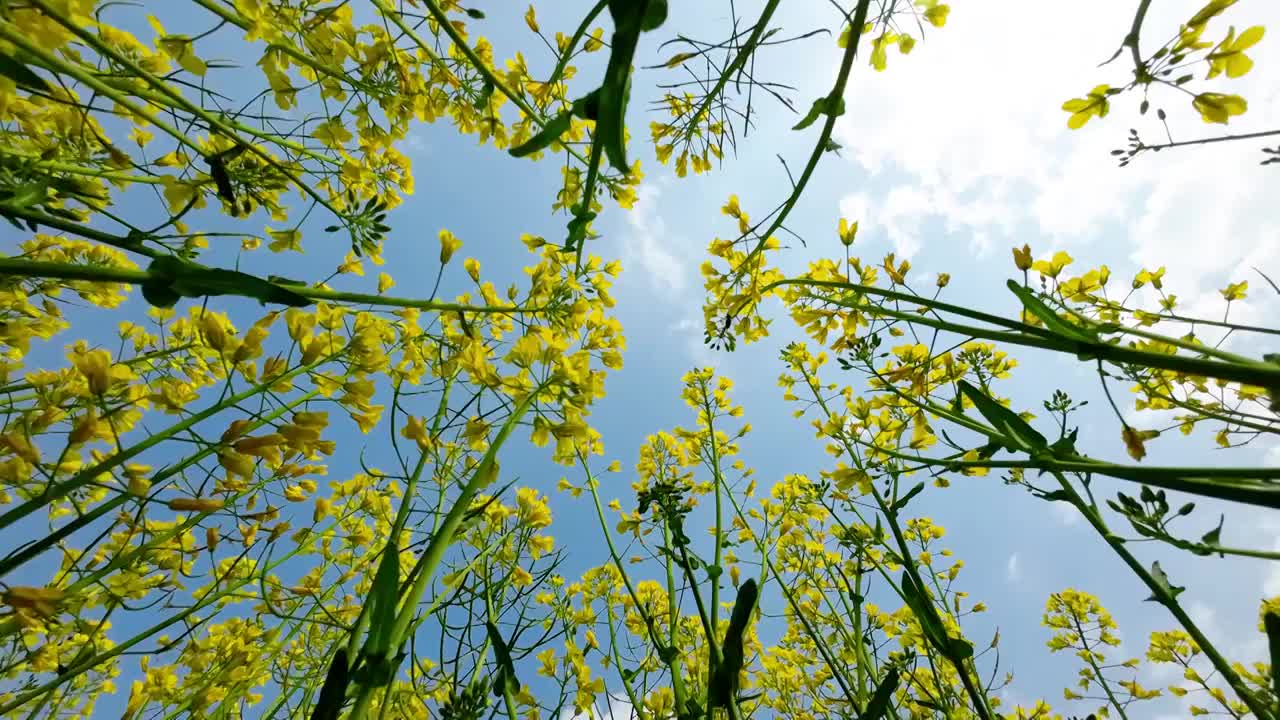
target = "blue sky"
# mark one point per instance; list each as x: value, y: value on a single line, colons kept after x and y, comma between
x: 952, y: 155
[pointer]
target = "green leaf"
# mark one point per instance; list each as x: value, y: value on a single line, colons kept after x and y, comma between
x: 1271, y: 623
x: 334, y: 691
x: 927, y: 615
x: 960, y: 648
x: 28, y: 195
x: 1017, y: 433
x: 878, y: 705
x: 1169, y: 590
x: 21, y: 74
x: 173, y: 278
x: 384, y: 596
x: 654, y: 15
x: 1213, y: 537
x: 505, y: 679
x: 902, y: 501
x: 1046, y: 315
x: 486, y: 94
x: 587, y: 107
x: 578, y: 228
x: 611, y: 125
x: 821, y: 106
x: 630, y: 18
x: 551, y: 132
x: 723, y: 684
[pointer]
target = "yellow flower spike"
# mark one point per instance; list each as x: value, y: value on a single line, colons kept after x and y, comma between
x: 449, y: 243
x: 1235, y: 291
x: 937, y: 15
x: 1093, y: 104
x: 1054, y: 266
x: 847, y: 231
x: 1229, y: 56
x: 1219, y: 107
x: 530, y: 19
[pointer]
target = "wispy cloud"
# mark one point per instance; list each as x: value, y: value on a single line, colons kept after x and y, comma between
x: 1012, y: 570
x: 976, y: 139
x: 649, y: 245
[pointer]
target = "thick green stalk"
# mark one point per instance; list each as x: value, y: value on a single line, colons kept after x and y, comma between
x: 713, y: 463
x: 100, y: 273
x: 677, y: 678
x: 214, y: 123
x: 20, y: 699
x: 820, y: 148
x: 1161, y: 593
x: 60, y: 490
x: 1233, y: 367
x: 483, y: 475
x: 33, y: 550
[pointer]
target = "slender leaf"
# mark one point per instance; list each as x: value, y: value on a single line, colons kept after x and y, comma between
x: 505, y: 679
x: 21, y: 74
x: 724, y: 681
x: 174, y: 278
x: 878, y: 705
x: 1051, y: 320
x: 1018, y: 434
x: 557, y: 126
x: 383, y: 599
x: 334, y: 691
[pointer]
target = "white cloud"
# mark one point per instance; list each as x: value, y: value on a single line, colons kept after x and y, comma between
x: 614, y: 708
x: 665, y: 261
x: 649, y: 245
x: 1066, y: 513
x: 1011, y: 570
x: 976, y: 128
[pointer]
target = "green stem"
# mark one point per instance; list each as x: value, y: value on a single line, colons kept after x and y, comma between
x: 57, y: 223
x: 60, y: 490
x: 1097, y: 671
x: 837, y: 669
x: 820, y: 148
x: 101, y: 273
x: 57, y: 65
x: 213, y: 123
x: 1161, y: 593
x: 35, y: 549
x: 636, y: 702
x: 70, y: 673
x: 739, y: 60
x: 484, y: 474
x: 677, y: 679
x: 230, y: 15
x: 575, y: 39
x: 964, y: 668
x: 1235, y: 368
